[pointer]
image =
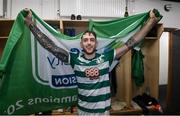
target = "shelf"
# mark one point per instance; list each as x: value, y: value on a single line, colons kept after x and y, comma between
x: 79, y: 26
x: 5, y: 26
x: 133, y: 109
x: 68, y: 20
x: 150, y: 37
x: 60, y: 25
x: 75, y: 23
x: 155, y: 32
x: 3, y: 37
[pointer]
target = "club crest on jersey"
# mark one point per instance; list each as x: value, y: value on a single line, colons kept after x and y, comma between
x: 100, y: 60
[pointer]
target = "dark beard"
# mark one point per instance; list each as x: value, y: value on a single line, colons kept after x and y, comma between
x: 88, y: 52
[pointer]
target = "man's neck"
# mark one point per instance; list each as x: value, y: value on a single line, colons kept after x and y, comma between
x: 90, y: 56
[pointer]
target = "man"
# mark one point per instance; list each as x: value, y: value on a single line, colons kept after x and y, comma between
x: 91, y: 68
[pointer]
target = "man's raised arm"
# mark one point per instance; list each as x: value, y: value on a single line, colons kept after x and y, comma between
x: 44, y: 40
x: 137, y: 37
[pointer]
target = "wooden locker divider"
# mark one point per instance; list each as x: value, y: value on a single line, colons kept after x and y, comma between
x: 5, y: 28
x: 124, y: 82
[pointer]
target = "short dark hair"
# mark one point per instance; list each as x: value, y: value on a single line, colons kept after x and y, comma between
x: 90, y: 32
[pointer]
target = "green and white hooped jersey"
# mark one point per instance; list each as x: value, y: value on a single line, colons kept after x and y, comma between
x: 93, y: 94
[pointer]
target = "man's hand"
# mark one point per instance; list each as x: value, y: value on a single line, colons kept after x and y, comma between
x: 28, y: 18
x: 151, y: 14
x: 154, y: 14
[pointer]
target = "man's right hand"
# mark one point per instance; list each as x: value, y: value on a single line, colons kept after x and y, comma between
x: 28, y: 18
x: 154, y: 14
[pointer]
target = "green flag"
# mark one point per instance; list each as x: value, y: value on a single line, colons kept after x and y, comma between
x: 34, y: 80
x: 20, y: 91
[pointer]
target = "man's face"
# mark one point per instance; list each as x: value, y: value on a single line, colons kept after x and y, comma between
x: 88, y: 43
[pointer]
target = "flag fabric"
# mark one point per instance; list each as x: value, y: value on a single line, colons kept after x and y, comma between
x: 138, y: 67
x: 33, y: 80
x: 23, y: 87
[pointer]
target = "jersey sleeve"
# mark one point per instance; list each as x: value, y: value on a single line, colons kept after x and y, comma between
x: 110, y: 55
